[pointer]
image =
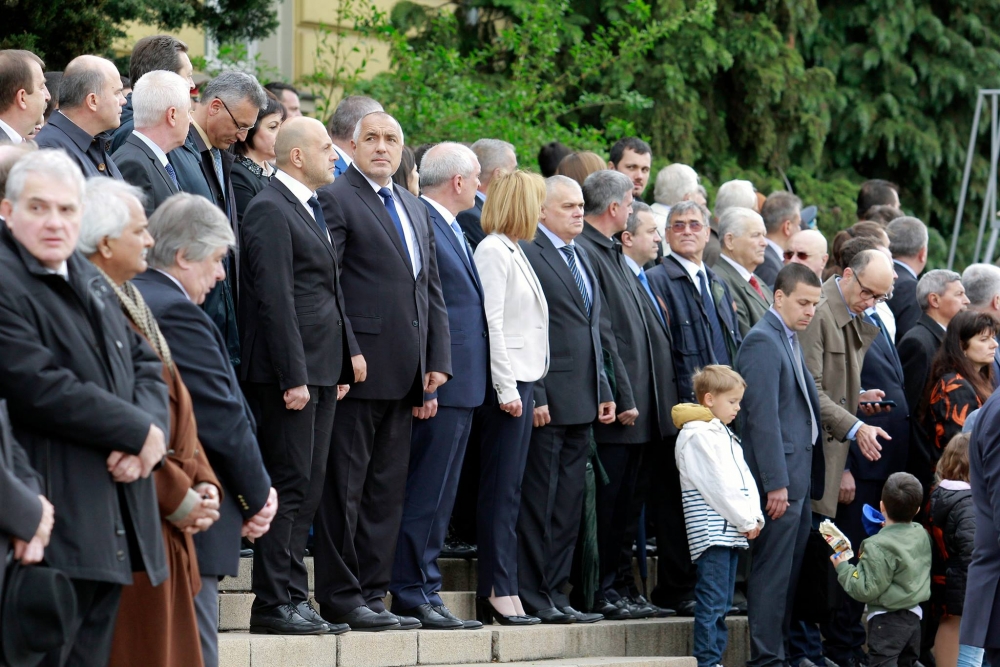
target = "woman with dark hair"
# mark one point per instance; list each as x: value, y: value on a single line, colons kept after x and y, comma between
x: 961, y: 377
x: 406, y: 175
x: 252, y: 169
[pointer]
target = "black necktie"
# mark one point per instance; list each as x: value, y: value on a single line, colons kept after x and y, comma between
x: 718, y: 340
x: 318, y: 213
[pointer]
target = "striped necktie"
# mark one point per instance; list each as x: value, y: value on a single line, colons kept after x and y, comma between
x: 570, y: 253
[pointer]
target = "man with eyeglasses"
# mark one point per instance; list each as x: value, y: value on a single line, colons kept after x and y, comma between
x: 809, y: 248
x: 228, y: 110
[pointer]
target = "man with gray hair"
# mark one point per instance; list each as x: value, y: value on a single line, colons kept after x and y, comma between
x: 345, y: 118
x: 90, y: 105
x: 674, y: 183
x: 782, y: 213
x: 729, y: 194
x: 908, y: 244
x: 495, y: 157
x: 161, y: 102
x: 742, y: 233
x: 203, y: 164
x: 982, y: 286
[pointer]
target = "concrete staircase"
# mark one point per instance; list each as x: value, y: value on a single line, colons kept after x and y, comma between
x: 645, y: 643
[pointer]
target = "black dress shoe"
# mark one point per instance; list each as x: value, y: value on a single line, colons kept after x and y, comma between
x: 307, y: 612
x: 363, y: 619
x: 554, y: 616
x: 612, y: 612
x: 246, y: 553
x: 428, y: 618
x: 468, y: 625
x: 486, y: 614
x: 285, y: 620
x: 685, y: 608
x: 582, y: 617
x: 458, y: 549
x: 638, y: 610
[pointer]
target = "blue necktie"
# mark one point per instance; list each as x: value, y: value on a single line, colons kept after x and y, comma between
x: 172, y: 174
x: 876, y: 320
x: 461, y: 238
x: 574, y: 270
x: 656, y: 305
x: 718, y: 340
x: 318, y: 213
x: 390, y: 207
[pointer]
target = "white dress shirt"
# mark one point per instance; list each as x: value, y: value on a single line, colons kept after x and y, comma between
x: 176, y: 282
x: 412, y: 246
x: 559, y: 243
x: 15, y: 138
x: 157, y: 151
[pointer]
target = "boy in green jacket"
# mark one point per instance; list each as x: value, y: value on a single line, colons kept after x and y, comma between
x: 893, y: 575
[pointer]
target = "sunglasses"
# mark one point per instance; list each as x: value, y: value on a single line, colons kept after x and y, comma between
x: 679, y: 226
x: 802, y: 256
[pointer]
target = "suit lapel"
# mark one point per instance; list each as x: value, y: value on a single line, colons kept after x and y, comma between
x: 377, y: 207
x: 444, y: 230
x: 304, y: 216
x: 780, y: 329
x: 554, y: 259
x: 148, y: 152
x: 524, y: 267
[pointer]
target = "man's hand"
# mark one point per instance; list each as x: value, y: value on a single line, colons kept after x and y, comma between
x: 260, y: 522
x: 606, y: 412
x: 296, y: 398
x: 124, y: 468
x: 867, y: 437
x: 203, y: 515
x: 513, y: 408
x: 628, y: 417
x: 837, y: 559
x: 29, y: 553
x: 427, y: 410
x: 752, y: 534
x: 360, y: 367
x: 44, y: 530
x: 541, y: 416
x: 342, y: 390
x: 777, y: 503
x: 433, y: 380
x: 847, y: 488
x: 872, y: 395
x: 153, y: 451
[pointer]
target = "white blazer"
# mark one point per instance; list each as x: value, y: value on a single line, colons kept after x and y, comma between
x: 516, y: 313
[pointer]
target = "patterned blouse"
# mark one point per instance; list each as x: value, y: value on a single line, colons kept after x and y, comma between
x: 951, y: 401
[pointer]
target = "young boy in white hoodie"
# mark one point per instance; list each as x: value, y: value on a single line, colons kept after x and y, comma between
x: 721, y: 504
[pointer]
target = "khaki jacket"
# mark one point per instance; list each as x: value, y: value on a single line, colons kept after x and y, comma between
x: 834, y: 347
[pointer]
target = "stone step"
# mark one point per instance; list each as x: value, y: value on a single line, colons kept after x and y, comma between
x: 458, y: 574
x: 576, y: 644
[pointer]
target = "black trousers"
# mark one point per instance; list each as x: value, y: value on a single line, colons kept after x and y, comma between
x: 893, y: 639
x: 614, y: 501
x: 294, y: 445
x: 625, y: 581
x: 358, y: 519
x: 88, y: 642
x: 551, y: 507
x: 675, y: 573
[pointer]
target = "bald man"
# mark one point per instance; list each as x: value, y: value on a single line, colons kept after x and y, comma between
x: 295, y: 354
x: 808, y: 247
x: 90, y: 106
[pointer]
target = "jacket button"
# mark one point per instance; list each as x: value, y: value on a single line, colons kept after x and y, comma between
x: 120, y: 532
x: 340, y: 323
x: 100, y: 167
x: 120, y: 555
x: 119, y: 344
x: 415, y: 323
x: 809, y: 422
x: 843, y: 400
x: 484, y: 334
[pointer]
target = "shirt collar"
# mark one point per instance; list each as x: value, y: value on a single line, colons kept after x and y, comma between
x: 15, y: 138
x: 480, y: 196
x: 442, y: 211
x: 788, y: 332
x: 556, y: 241
x: 343, y: 156
x: 301, y: 192
x: 841, y: 292
x: 739, y: 267
x: 905, y: 266
x: 176, y: 282
x: 690, y: 267
x: 80, y: 137
x: 62, y: 270
x: 202, y: 134
x: 631, y: 263
x: 375, y: 186
x: 776, y: 248
x: 157, y: 151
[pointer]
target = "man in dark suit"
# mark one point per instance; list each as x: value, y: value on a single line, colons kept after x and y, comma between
x: 908, y: 243
x: 388, y: 259
x: 23, y: 100
x: 162, y: 103
x: 156, y: 52
x: 87, y: 398
x: 782, y: 213
x: 295, y: 355
x: 575, y: 393
x: 228, y: 109
x: 345, y: 118
x: 448, y: 180
x: 495, y: 157
x: 789, y: 470
x: 192, y: 240
x: 86, y: 114
x: 744, y: 244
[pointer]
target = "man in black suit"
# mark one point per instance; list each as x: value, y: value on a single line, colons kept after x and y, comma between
x: 388, y: 260
x: 24, y: 96
x: 162, y: 103
x: 782, y: 213
x: 908, y: 243
x: 90, y: 105
x: 448, y: 178
x: 495, y: 157
x: 228, y: 109
x: 156, y: 52
x: 192, y: 240
x: 575, y: 393
x: 294, y: 342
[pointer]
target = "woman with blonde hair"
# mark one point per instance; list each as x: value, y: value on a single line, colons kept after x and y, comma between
x: 518, y: 320
x: 580, y: 165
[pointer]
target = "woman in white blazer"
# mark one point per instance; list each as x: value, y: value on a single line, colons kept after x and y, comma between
x: 518, y: 320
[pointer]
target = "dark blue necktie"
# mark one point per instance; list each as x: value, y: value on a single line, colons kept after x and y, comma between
x: 390, y: 207
x: 570, y: 253
x: 876, y: 320
x: 656, y: 305
x: 318, y: 213
x: 718, y: 340
x: 172, y: 174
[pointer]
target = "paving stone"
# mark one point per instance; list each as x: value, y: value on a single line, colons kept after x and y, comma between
x: 241, y: 649
x: 391, y: 648
x: 595, y: 639
x: 234, y: 611
x: 537, y: 642
x: 606, y: 662
x: 435, y: 647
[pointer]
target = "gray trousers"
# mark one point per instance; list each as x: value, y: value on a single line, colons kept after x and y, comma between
x: 206, y: 608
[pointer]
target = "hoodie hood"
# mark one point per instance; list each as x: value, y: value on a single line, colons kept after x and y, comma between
x: 682, y: 413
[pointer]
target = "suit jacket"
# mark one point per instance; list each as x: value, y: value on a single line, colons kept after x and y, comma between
x: 576, y: 382
x: 517, y: 315
x: 126, y: 126
x: 916, y: 352
x: 340, y: 166
x: 20, y: 487
x: 93, y: 154
x: 398, y: 322
x: 750, y: 307
x: 470, y: 222
x: 768, y: 271
x: 834, y: 346
x: 291, y: 315
x: 140, y: 167
x: 778, y: 401
x: 225, y: 425
x: 903, y: 303
x: 463, y: 296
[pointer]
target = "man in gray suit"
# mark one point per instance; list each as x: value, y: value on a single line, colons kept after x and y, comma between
x: 23, y: 96
x: 743, y: 240
x: 788, y: 470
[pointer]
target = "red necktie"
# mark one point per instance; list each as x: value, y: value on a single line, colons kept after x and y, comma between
x: 756, y: 286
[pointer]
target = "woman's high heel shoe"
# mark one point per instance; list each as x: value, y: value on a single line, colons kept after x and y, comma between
x: 486, y: 614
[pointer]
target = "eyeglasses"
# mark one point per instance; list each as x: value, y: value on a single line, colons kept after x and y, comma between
x: 679, y: 226
x: 239, y: 128
x: 868, y: 294
x: 802, y: 256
